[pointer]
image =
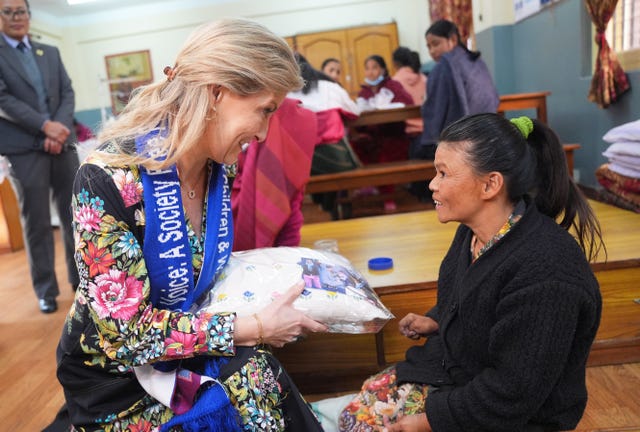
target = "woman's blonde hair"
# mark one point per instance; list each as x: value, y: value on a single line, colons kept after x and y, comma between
x: 240, y: 55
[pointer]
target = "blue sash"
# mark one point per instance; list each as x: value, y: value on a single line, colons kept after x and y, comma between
x: 166, y: 249
x: 168, y: 258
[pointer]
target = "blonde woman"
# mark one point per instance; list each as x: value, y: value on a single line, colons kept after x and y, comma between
x: 153, y: 227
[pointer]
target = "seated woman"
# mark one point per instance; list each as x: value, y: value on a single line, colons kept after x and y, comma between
x: 408, y: 73
x: 332, y: 68
x: 327, y: 99
x: 268, y: 189
x: 518, y: 305
x: 153, y: 228
x: 385, y: 142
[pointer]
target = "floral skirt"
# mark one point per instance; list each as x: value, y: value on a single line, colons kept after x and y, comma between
x: 257, y: 385
x: 381, y: 396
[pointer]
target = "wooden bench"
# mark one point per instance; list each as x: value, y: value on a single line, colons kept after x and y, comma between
x: 406, y: 171
x: 399, y: 172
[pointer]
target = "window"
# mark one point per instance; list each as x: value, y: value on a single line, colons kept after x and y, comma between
x: 623, y: 33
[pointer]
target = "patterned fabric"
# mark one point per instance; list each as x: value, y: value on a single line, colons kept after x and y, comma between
x: 112, y: 326
x: 269, y: 186
x: 457, y: 11
x: 382, y: 396
x: 514, y: 217
x: 609, y: 81
x: 627, y: 189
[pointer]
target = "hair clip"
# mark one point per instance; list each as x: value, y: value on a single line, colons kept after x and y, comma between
x: 169, y: 72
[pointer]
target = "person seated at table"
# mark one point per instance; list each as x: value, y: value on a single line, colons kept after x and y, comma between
x: 152, y: 220
x: 332, y: 106
x: 408, y: 73
x: 268, y: 188
x: 383, y: 142
x: 407, y: 64
x: 332, y: 68
x: 518, y: 305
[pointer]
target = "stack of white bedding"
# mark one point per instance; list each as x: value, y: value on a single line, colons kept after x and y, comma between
x: 620, y: 176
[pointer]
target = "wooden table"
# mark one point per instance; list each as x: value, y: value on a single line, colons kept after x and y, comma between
x: 521, y: 101
x: 510, y: 102
x: 380, y: 116
x: 417, y: 242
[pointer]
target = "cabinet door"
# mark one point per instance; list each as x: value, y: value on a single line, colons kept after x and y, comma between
x: 317, y: 47
x: 291, y: 41
x: 365, y: 41
x: 351, y: 46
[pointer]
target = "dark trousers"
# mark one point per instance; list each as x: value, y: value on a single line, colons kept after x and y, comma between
x: 37, y: 178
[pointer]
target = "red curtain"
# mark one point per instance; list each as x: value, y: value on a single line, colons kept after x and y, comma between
x: 456, y: 11
x: 609, y: 80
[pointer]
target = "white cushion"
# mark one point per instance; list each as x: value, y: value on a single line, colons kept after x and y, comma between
x: 336, y: 295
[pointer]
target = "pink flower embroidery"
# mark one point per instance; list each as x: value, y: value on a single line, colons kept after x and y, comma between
x: 180, y: 344
x: 88, y: 218
x: 115, y: 295
x: 130, y: 190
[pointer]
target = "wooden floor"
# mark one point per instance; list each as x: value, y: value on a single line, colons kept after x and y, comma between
x: 31, y: 394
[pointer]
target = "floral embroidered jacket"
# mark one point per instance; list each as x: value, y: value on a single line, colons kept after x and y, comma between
x: 113, y: 327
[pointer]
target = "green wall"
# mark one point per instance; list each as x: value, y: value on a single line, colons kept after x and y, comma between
x: 552, y: 51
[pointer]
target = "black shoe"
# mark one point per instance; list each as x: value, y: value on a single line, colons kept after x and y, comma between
x: 48, y: 305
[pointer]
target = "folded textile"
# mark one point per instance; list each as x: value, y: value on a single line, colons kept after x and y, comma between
x: 381, y: 100
x: 627, y: 148
x: 609, y: 197
x: 625, y: 132
x: 624, y: 170
x: 625, y: 187
x: 632, y: 162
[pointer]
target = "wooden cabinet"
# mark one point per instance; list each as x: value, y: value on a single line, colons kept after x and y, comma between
x: 351, y: 46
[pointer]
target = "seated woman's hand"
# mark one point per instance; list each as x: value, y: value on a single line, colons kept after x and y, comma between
x: 409, y: 423
x: 415, y: 326
x: 278, y: 323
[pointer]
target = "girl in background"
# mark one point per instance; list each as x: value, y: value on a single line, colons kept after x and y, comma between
x: 332, y: 68
x: 384, y: 142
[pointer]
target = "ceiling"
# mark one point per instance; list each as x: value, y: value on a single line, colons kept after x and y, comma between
x: 60, y: 8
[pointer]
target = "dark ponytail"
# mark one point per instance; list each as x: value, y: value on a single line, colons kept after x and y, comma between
x: 447, y: 29
x: 535, y: 166
x: 557, y: 195
x: 310, y: 75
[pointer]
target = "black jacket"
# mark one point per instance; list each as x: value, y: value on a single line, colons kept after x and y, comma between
x: 515, y: 332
